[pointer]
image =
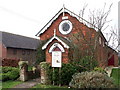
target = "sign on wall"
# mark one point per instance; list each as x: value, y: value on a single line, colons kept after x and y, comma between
x: 56, y: 58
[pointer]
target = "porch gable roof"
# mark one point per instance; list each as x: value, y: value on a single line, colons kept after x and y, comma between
x: 58, y: 39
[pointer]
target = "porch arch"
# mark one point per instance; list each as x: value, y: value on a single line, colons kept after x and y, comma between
x: 56, y: 45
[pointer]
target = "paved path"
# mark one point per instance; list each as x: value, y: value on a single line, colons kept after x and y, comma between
x: 28, y: 84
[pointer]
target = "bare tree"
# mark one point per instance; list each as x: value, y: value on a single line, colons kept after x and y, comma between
x: 99, y: 18
x: 87, y: 45
x: 84, y: 48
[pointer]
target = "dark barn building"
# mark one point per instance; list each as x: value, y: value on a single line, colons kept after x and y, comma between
x: 18, y: 47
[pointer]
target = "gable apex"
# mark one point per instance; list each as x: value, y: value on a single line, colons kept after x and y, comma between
x: 65, y: 10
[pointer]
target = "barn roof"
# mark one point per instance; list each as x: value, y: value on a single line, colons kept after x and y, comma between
x: 18, y: 41
x: 64, y: 10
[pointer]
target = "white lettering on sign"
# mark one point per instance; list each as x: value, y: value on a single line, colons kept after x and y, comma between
x: 56, y: 58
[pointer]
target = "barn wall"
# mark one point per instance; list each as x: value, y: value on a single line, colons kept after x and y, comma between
x: 24, y: 54
x: 12, y: 53
x: 3, y: 51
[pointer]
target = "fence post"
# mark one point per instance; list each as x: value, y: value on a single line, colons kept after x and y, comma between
x: 23, y: 70
x: 43, y: 73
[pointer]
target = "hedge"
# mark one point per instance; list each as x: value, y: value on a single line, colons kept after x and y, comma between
x: 9, y: 73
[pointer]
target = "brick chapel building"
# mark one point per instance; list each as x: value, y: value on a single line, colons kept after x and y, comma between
x: 58, y: 31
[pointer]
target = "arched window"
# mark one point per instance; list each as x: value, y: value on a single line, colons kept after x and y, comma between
x: 56, y: 45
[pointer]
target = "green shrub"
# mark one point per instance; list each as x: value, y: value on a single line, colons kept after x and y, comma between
x: 4, y: 77
x: 67, y: 71
x: 9, y: 73
x: 6, y: 69
x: 99, y: 69
x: 63, y: 76
x: 0, y: 76
x: 91, y: 80
x: 13, y: 75
x: 87, y: 62
x: 30, y: 68
x: 40, y: 54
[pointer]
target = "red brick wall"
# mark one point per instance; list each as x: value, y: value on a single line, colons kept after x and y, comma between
x: 116, y: 59
x: 101, y: 54
x: 0, y: 50
x: 55, y: 25
x: 104, y: 55
x: 77, y: 26
x: 113, y: 55
x: 3, y: 51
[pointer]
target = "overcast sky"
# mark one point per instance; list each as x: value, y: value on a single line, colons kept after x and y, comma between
x: 27, y: 17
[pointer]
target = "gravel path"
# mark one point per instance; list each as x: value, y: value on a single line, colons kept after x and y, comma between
x: 28, y: 84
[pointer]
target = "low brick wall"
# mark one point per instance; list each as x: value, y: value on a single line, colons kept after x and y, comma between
x: 10, y: 62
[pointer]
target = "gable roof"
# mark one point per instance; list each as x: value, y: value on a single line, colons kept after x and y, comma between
x: 57, y: 38
x: 18, y: 41
x: 63, y: 10
x: 58, y: 46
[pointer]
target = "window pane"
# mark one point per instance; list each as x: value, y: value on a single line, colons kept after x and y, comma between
x: 23, y: 52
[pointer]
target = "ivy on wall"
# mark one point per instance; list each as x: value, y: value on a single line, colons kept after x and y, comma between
x: 40, y: 53
x: 22, y: 63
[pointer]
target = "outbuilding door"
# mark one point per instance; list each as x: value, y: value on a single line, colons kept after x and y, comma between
x: 111, y: 61
x: 56, y: 58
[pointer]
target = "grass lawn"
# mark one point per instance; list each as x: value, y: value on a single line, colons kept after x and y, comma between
x: 10, y: 84
x: 116, y: 75
x: 48, y: 86
x: 30, y: 68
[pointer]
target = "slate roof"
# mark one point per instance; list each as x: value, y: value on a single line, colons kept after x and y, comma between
x: 18, y: 41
